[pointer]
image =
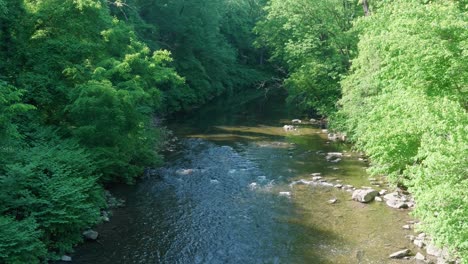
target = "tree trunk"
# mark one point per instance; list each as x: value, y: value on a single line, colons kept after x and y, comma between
x: 365, y: 6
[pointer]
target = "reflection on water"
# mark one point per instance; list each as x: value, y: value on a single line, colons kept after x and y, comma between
x: 225, y: 197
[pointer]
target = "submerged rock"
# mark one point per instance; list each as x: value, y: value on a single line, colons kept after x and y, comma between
x: 364, y: 195
x: 400, y: 254
x: 184, y: 171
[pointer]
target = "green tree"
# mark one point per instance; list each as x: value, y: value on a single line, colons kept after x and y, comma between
x: 310, y: 38
x: 404, y: 103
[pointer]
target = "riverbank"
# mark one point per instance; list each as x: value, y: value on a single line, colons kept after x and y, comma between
x: 226, y: 182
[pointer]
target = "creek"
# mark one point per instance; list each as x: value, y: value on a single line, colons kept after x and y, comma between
x: 217, y: 199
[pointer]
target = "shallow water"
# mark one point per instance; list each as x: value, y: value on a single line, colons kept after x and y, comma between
x: 218, y: 199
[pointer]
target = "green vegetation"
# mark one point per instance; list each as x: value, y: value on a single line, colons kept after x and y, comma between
x: 312, y: 40
x: 404, y: 103
x: 403, y: 100
x: 82, y: 82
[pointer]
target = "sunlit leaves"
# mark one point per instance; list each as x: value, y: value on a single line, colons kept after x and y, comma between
x: 404, y: 104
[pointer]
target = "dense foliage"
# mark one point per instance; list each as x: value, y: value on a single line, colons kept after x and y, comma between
x: 82, y: 84
x: 404, y: 98
x: 404, y: 103
x: 312, y: 40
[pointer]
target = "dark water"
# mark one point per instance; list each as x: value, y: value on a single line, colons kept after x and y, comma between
x: 218, y: 199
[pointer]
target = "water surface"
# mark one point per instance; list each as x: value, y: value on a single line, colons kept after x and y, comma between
x: 218, y: 199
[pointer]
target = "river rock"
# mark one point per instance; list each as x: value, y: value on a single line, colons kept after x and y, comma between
x: 382, y: 192
x: 287, y: 194
x: 105, y: 216
x: 419, y: 257
x: 316, y: 174
x: 184, y: 171
x: 433, y: 250
x: 364, y: 195
x: 304, y: 182
x: 326, y: 184
x: 332, y: 201
x: 418, y: 242
x: 316, y: 178
x: 407, y: 227
x: 397, y: 201
x: 288, y: 128
x: 334, y: 155
x: 90, y: 234
x: 253, y: 185
x: 66, y: 258
x: 400, y: 254
x: 397, y: 204
x: 378, y: 199
x: 296, y: 121
x: 339, y: 186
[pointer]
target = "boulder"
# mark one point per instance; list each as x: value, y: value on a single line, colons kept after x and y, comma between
x: 288, y: 128
x: 296, y: 121
x: 90, y: 234
x: 364, y: 195
x: 400, y: 254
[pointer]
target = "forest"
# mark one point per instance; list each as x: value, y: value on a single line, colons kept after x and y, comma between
x: 85, y: 83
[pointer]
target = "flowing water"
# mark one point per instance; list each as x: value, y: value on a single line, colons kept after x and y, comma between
x: 218, y: 199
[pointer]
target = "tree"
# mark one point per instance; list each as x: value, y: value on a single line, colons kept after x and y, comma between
x: 404, y: 104
x: 310, y: 38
